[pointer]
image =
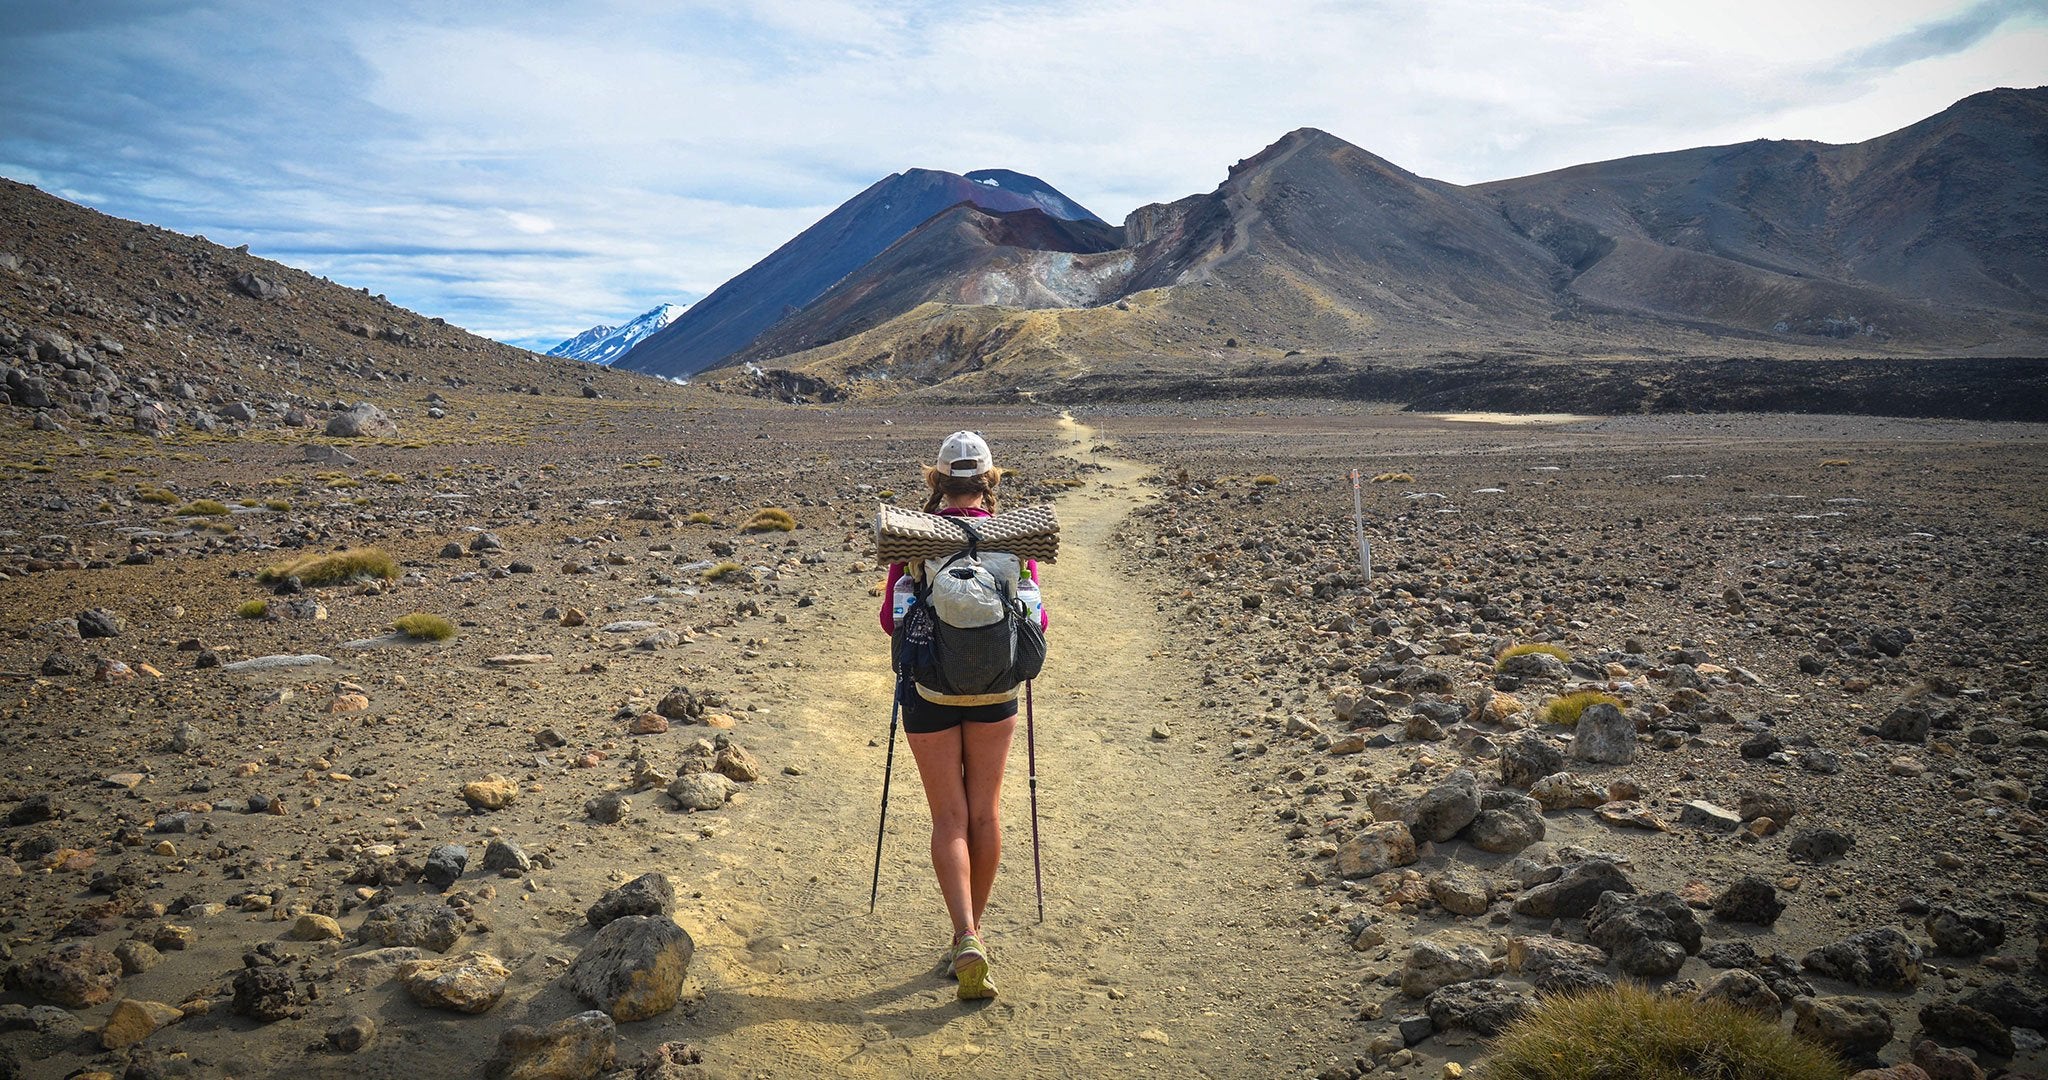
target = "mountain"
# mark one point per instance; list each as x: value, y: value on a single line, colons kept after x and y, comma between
x: 605, y: 344
x: 118, y: 324
x: 736, y: 313
x: 1930, y: 240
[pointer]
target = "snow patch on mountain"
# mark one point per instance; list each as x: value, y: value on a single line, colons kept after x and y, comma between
x: 604, y: 344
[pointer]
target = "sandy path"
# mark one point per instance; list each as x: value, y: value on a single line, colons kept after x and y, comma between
x: 1173, y: 940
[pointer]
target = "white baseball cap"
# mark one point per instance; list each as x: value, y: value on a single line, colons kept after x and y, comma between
x: 965, y: 453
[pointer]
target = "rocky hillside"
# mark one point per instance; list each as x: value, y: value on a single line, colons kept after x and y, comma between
x: 112, y: 322
x: 1923, y: 242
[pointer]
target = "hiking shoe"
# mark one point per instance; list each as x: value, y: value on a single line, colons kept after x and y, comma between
x: 970, y: 966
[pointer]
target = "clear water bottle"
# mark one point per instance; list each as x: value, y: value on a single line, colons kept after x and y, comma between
x: 899, y: 601
x: 1027, y: 591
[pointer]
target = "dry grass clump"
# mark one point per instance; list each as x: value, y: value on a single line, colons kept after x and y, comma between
x: 278, y: 505
x: 203, y: 508
x: 1632, y: 1032
x: 331, y: 568
x: 1835, y: 463
x: 424, y: 627
x: 699, y: 518
x: 770, y: 519
x: 155, y: 496
x: 1563, y: 655
x: 1394, y: 478
x: 343, y: 483
x: 1564, y: 711
x: 723, y: 570
x: 253, y: 609
x: 1265, y: 480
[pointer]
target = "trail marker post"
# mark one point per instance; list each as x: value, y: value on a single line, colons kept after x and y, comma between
x: 1358, y: 524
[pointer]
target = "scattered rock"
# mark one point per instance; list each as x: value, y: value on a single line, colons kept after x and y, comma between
x: 581, y: 1047
x: 609, y: 808
x: 1955, y: 1022
x: 1648, y: 936
x: 701, y: 791
x: 493, y: 792
x: 134, y: 1020
x: 1508, y: 821
x: 445, y: 865
x: 1447, y: 808
x: 265, y: 995
x: 1528, y: 759
x: 1701, y: 814
x: 261, y: 286
x: 352, y: 1034
x: 501, y: 855
x: 649, y: 894
x: 424, y: 924
x: 1604, y: 735
x: 634, y: 968
x: 1573, y: 894
x: 1852, y: 1026
x: 1881, y: 958
x: 470, y: 983
x: 364, y: 421
x: 1751, y: 899
x: 313, y: 927
x: 1433, y: 965
x: 1742, y: 989
x: 1375, y: 849
x: 76, y: 975
x: 1484, y: 1006
x: 1963, y: 933
x: 1820, y: 845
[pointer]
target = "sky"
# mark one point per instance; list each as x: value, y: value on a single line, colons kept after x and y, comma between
x: 528, y: 170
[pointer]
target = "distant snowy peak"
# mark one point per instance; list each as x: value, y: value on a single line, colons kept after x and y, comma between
x: 604, y: 344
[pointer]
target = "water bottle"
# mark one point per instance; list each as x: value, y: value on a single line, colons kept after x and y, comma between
x: 1027, y: 591
x: 899, y: 601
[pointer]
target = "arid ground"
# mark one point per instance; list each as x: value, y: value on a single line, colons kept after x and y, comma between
x: 1835, y: 623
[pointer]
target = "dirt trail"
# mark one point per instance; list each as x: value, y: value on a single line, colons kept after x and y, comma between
x: 1173, y: 937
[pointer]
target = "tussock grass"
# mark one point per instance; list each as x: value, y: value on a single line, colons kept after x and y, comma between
x: 31, y: 467
x: 1394, y: 478
x: 770, y: 519
x: 253, y: 609
x: 1564, y: 711
x: 155, y: 496
x: 723, y: 570
x: 279, y: 505
x: 424, y: 627
x: 1265, y: 480
x: 699, y: 518
x: 343, y: 483
x: 203, y: 508
x: 334, y: 567
x: 1563, y: 655
x: 1835, y: 463
x: 1632, y: 1032
x: 388, y: 478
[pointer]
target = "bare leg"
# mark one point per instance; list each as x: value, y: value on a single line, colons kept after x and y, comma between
x: 986, y: 748
x: 938, y: 757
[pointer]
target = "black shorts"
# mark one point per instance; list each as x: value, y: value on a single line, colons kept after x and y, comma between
x: 921, y: 717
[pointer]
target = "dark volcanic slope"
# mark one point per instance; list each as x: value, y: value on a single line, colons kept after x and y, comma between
x: 964, y: 255
x: 1953, y: 209
x: 727, y: 321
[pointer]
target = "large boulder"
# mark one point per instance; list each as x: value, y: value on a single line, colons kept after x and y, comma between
x: 1375, y: 849
x: 1433, y: 965
x: 420, y: 924
x: 634, y: 968
x: 1447, y: 808
x: 364, y: 421
x: 1485, y: 1006
x: 1882, y: 958
x: 470, y: 983
x: 580, y: 1048
x: 1851, y: 1026
x: 1963, y: 933
x: 1752, y: 899
x: 649, y: 894
x: 1648, y: 936
x: 1604, y: 735
x: 77, y: 975
x: 1528, y: 759
x: 1742, y: 988
x: 1507, y: 822
x: 1575, y: 892
x: 262, y: 286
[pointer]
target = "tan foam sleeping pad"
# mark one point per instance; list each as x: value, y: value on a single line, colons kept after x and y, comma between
x: 1031, y: 532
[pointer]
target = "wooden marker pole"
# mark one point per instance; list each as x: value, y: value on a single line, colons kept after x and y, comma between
x: 1358, y: 523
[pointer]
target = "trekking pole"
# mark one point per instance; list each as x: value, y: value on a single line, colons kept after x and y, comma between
x: 1031, y: 757
x: 888, y: 771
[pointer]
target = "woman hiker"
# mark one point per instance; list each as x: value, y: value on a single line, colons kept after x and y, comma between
x: 961, y: 744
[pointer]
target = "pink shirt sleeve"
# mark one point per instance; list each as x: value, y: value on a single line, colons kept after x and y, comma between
x: 889, y: 598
